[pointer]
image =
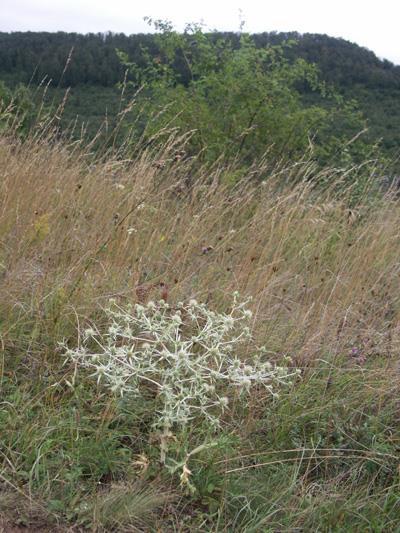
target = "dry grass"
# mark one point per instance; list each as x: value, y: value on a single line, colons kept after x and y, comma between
x: 323, y: 273
x: 73, y: 233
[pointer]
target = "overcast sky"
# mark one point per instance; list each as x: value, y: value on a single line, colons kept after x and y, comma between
x: 370, y: 23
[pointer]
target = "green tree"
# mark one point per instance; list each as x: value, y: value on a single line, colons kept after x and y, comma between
x: 17, y: 109
x: 237, y: 100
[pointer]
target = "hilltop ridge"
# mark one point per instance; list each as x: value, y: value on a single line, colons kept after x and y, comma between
x: 90, y: 66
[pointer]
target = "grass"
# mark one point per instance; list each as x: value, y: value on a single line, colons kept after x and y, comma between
x: 322, y: 270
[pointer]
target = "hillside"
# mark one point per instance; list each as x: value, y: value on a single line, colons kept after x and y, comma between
x: 199, y: 314
x: 319, y: 453
x: 89, y: 65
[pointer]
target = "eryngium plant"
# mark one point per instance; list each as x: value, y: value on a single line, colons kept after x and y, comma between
x: 187, y: 354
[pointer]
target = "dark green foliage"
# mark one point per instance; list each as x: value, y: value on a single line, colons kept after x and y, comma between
x: 240, y: 101
x: 17, y: 109
x: 91, y: 65
x: 87, y: 109
x: 74, y: 60
x: 31, y: 56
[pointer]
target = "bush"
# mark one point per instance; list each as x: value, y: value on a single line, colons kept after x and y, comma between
x: 239, y: 101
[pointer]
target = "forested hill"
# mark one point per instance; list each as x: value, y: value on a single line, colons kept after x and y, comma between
x: 29, y: 56
x: 74, y: 60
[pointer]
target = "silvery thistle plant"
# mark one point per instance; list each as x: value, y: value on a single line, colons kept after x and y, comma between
x: 186, y: 354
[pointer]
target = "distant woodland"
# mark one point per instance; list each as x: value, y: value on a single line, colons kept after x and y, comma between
x: 92, y: 68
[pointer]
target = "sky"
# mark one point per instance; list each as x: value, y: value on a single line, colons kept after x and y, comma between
x: 369, y: 23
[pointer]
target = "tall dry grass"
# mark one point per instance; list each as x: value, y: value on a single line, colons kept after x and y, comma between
x: 75, y: 231
x: 321, y: 265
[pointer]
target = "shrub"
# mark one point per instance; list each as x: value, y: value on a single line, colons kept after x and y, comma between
x: 239, y: 100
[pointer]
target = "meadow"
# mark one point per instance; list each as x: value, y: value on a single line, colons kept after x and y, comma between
x: 321, y: 266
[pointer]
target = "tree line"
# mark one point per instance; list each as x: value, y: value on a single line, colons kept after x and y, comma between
x: 239, y: 93
x: 70, y: 59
